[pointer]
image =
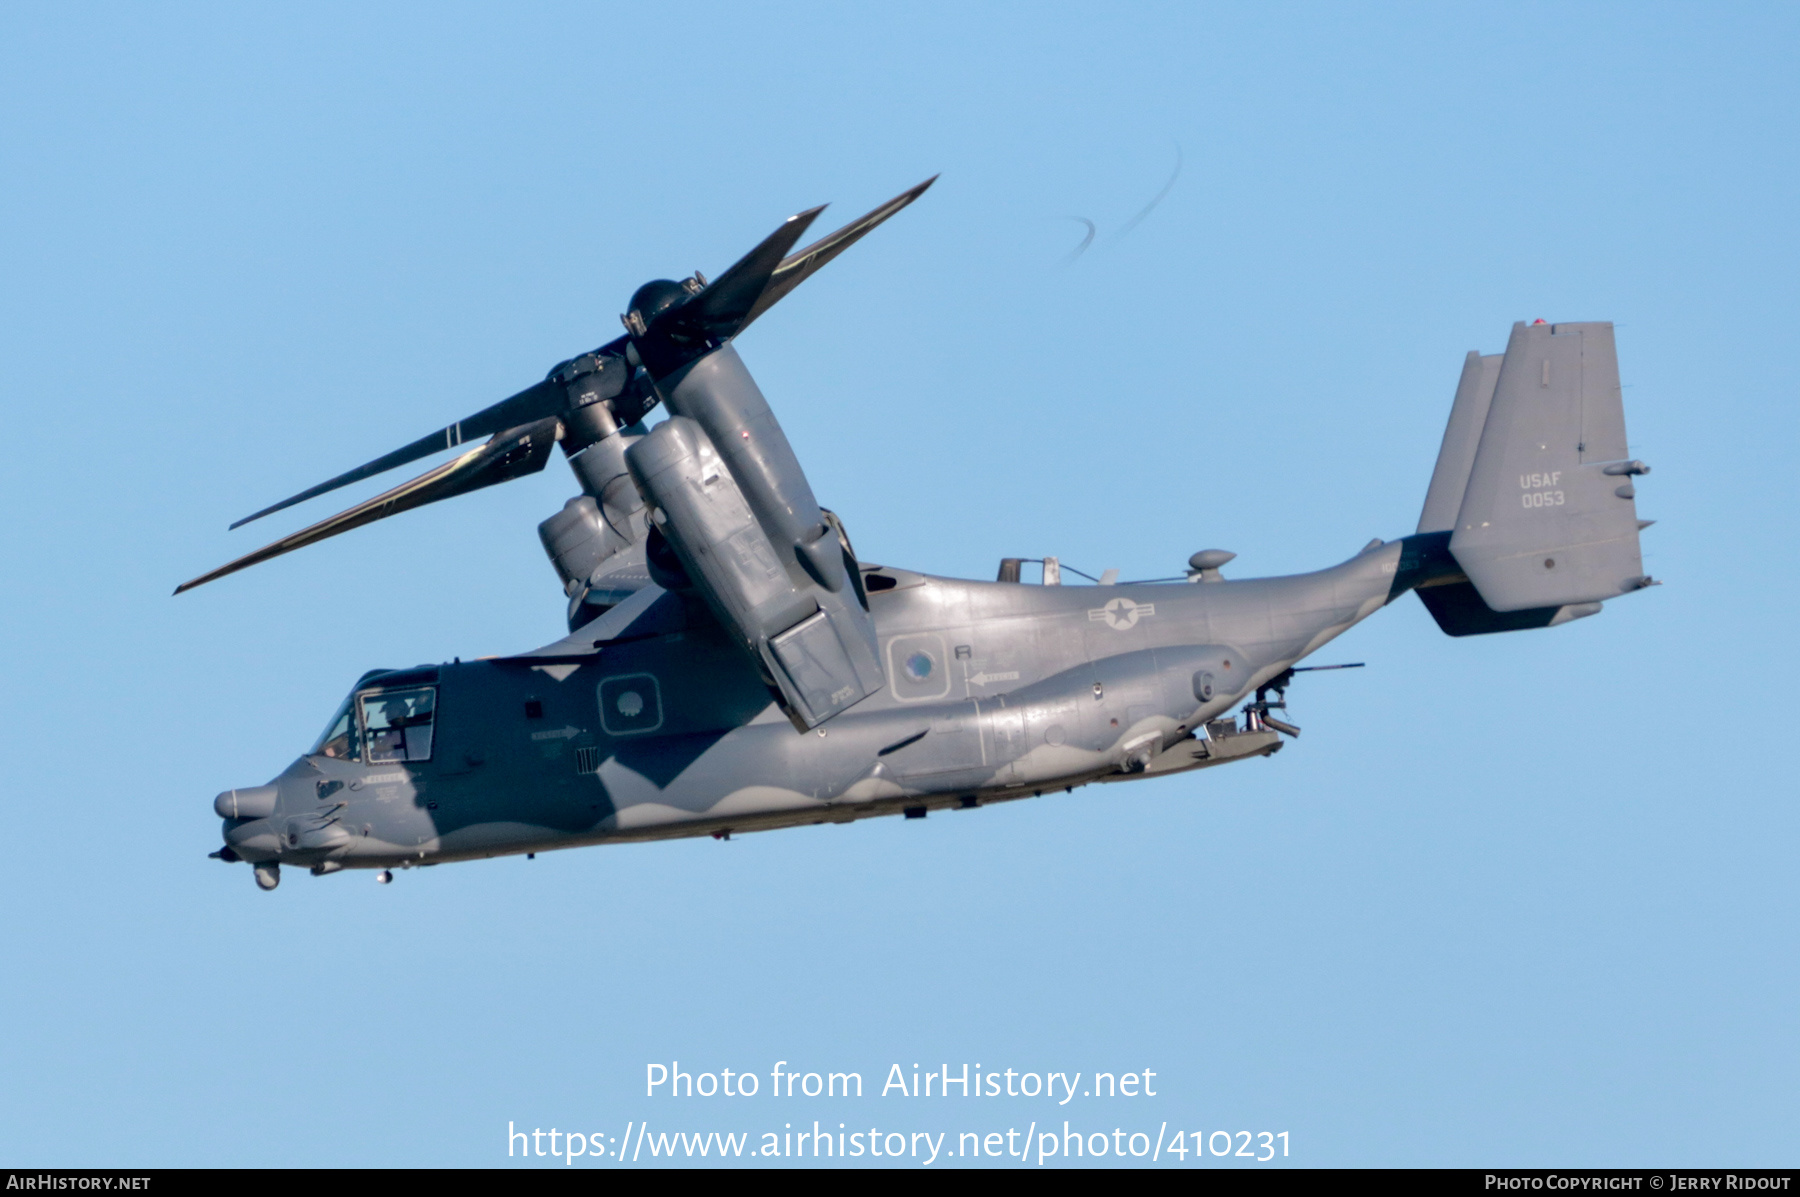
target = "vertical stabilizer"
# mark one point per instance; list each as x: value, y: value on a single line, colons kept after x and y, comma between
x: 1457, y: 454
x: 1549, y: 516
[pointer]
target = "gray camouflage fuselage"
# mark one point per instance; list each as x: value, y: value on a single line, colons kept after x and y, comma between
x: 734, y: 667
x: 1032, y: 688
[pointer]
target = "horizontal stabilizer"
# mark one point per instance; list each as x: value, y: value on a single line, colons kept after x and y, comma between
x: 1459, y: 611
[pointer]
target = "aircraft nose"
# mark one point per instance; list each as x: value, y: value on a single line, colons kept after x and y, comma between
x: 254, y: 835
x: 253, y: 802
x: 248, y: 833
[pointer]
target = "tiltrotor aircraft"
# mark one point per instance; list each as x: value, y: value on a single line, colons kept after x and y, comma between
x: 733, y: 665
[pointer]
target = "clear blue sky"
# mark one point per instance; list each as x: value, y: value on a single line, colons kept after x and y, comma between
x: 1528, y: 899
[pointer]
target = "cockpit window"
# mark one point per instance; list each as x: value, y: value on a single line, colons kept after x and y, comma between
x: 340, y: 740
x: 397, y: 723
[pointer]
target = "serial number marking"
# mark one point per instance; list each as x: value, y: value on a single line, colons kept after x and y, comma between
x: 1542, y: 498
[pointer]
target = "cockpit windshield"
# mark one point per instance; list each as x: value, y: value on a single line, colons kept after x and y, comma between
x: 397, y: 723
x: 381, y: 725
x: 340, y: 740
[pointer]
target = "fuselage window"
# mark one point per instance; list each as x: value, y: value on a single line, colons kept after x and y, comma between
x: 340, y: 740
x: 397, y: 723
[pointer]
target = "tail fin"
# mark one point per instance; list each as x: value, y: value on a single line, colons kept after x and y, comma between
x: 1474, y: 393
x: 1533, y: 485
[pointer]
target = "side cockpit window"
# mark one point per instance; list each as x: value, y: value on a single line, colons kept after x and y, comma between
x: 340, y: 740
x: 397, y: 723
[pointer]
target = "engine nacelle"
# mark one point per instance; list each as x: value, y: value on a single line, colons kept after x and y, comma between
x: 700, y: 509
x: 595, y: 542
x: 729, y: 497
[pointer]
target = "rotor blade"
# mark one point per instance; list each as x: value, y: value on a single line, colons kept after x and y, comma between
x: 511, y: 454
x: 533, y: 403
x: 795, y: 269
x: 720, y: 310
